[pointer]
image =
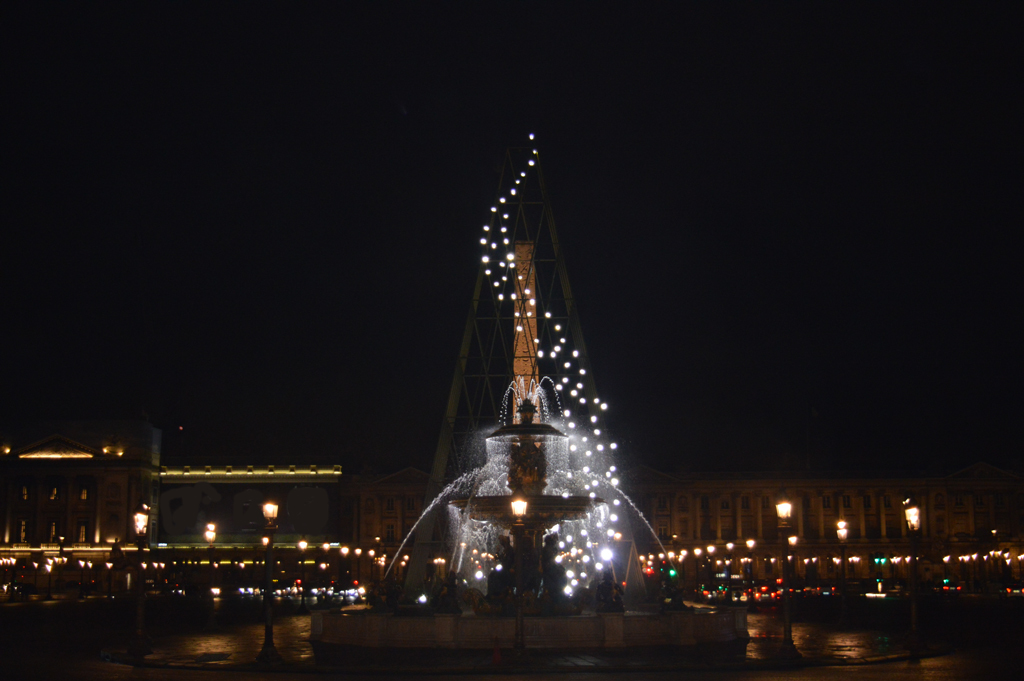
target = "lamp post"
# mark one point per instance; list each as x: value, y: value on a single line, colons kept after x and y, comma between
x: 303, y: 610
x: 268, y: 654
x: 912, y: 511
x: 347, y: 566
x: 711, y: 570
x: 359, y: 563
x: 60, y: 565
x: 140, y: 646
x: 110, y: 580
x: 750, y: 562
x: 842, y: 533
x: 519, y: 505
x: 211, y: 536
x: 326, y: 581
x: 784, y: 509
x: 49, y: 581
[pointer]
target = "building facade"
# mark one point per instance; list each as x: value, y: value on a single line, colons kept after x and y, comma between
x: 971, y: 532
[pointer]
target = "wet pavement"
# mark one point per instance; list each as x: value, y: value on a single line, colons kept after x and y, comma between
x: 235, y: 646
x: 183, y: 648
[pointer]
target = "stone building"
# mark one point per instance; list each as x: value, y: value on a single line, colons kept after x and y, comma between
x: 972, y: 522
x: 68, y: 492
x: 81, y: 481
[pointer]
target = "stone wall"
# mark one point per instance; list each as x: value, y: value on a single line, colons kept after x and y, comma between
x: 366, y: 630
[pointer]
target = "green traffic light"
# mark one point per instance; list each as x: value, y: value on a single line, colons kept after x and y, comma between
x: 671, y: 573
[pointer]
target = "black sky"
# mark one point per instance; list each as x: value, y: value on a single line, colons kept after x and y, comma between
x: 786, y: 224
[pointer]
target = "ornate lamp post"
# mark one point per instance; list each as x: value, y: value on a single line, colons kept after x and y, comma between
x: 211, y: 536
x: 359, y: 563
x: 60, y: 565
x: 110, y: 580
x: 303, y: 610
x: 140, y: 646
x: 268, y: 654
x: 784, y: 509
x: 913, y: 515
x: 841, y: 533
x: 346, y: 566
x: 519, y: 505
x: 750, y: 561
x: 49, y: 581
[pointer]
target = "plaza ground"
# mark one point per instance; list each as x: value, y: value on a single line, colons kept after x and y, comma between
x: 71, y: 639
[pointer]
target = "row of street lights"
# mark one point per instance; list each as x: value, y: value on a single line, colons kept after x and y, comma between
x: 912, y: 514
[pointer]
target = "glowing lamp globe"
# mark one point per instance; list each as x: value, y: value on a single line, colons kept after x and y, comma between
x: 211, y: 532
x: 913, y: 514
x: 783, y: 506
x: 303, y: 544
x: 519, y: 503
x: 270, y: 511
x: 344, y: 550
x: 841, y: 530
x: 751, y: 543
x: 141, y: 519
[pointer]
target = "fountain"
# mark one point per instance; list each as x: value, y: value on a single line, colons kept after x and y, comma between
x: 534, y: 540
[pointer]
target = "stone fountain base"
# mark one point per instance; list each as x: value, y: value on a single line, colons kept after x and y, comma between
x: 334, y: 634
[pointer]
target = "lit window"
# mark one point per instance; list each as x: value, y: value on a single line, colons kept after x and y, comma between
x: 24, y: 492
x: 83, y: 493
x: 53, y: 494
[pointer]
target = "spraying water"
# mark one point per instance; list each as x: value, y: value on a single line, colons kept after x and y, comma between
x: 454, y: 486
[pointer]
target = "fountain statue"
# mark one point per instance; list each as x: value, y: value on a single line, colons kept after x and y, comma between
x: 533, y: 532
x: 527, y: 513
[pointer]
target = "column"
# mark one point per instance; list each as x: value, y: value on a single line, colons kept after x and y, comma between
x: 760, y: 520
x: 716, y: 508
x: 863, y: 521
x: 738, y: 510
x: 821, y: 519
x: 881, y: 515
x: 800, y: 515
x: 902, y: 518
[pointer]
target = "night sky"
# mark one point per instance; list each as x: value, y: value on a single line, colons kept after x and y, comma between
x: 792, y: 229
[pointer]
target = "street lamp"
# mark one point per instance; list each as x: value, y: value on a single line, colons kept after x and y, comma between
x: 140, y: 646
x: 211, y: 536
x: 303, y: 610
x: 268, y: 654
x: 519, y: 505
x: 359, y: 563
x: 49, y: 580
x: 784, y: 509
x: 750, y: 561
x: 841, y: 533
x: 912, y: 512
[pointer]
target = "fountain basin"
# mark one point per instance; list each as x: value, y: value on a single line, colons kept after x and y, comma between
x: 545, y: 510
x: 335, y: 635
